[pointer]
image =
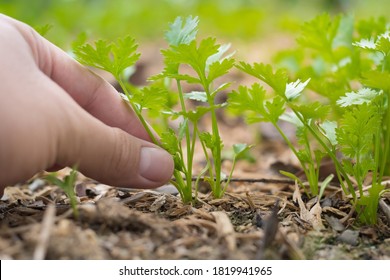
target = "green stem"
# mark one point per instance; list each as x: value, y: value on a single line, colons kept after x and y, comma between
x: 332, y: 155
x: 188, y: 174
x: 137, y: 111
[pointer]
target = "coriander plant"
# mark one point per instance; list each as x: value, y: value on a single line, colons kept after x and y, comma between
x: 351, y: 125
x: 208, y: 62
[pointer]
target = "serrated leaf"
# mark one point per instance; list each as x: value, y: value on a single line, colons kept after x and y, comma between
x: 383, y: 42
x: 207, y: 139
x: 169, y: 141
x: 153, y: 98
x: 364, y: 95
x: 253, y: 100
x: 43, y: 29
x: 124, y: 54
x: 277, y: 80
x: 319, y: 33
x: 294, y: 89
x: 275, y: 108
x: 315, y: 110
x: 111, y: 57
x: 182, y: 33
x: 356, y: 130
x: 219, y: 68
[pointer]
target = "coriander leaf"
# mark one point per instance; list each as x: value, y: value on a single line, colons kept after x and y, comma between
x: 356, y: 130
x: 152, y: 98
x: 124, y: 54
x: 275, y: 108
x: 294, y: 89
x: 377, y: 79
x: 364, y: 95
x: 171, y: 144
x: 319, y: 33
x: 182, y: 33
x: 343, y: 37
x: 98, y: 56
x: 219, y: 68
x: 277, y: 80
x: 43, y: 29
x: 111, y: 57
x: 383, y: 43
x: 315, y: 110
x: 253, y: 100
x: 207, y: 139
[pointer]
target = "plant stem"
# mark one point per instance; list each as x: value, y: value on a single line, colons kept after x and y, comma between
x: 137, y: 111
x: 332, y: 155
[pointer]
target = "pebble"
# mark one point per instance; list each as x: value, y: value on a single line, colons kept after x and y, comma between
x: 349, y: 237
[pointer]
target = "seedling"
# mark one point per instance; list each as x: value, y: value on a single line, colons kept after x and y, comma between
x: 67, y: 185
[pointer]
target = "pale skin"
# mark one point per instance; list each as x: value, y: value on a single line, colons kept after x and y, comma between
x: 56, y: 113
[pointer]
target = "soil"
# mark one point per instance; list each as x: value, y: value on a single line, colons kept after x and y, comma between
x: 261, y: 216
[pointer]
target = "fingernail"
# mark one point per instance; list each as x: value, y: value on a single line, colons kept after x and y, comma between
x: 155, y: 164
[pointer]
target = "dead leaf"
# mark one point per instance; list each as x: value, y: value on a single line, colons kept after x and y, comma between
x: 313, y: 216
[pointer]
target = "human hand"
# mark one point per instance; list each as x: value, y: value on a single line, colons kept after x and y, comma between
x: 55, y: 112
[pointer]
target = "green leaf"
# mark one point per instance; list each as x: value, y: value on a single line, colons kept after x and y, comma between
x: 275, y: 108
x: 152, y: 98
x: 43, y: 29
x: 182, y: 33
x: 169, y: 141
x: 324, y: 184
x: 253, y: 100
x: 111, y: 57
x: 240, y: 148
x: 219, y: 68
x: 357, y: 129
x: 124, y: 54
x: 207, y: 139
x: 343, y: 37
x: 314, y: 111
x: 319, y: 33
x: 276, y: 80
x: 377, y: 79
x: 364, y: 95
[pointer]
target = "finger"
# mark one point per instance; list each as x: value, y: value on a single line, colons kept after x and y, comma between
x: 67, y: 135
x: 92, y: 92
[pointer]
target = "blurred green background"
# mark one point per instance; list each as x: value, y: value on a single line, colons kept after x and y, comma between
x: 146, y: 20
